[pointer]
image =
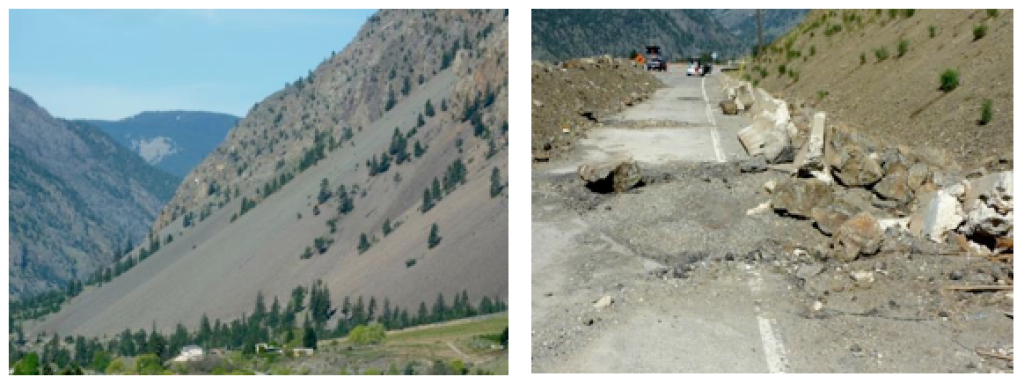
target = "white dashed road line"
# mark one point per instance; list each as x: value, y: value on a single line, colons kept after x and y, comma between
x: 711, y: 119
x: 771, y: 340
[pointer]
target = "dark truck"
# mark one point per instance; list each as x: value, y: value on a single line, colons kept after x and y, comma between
x: 654, y: 60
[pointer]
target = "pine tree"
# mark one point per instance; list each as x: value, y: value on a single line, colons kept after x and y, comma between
x: 496, y: 186
x: 440, y: 309
x: 435, y: 189
x: 260, y: 312
x: 325, y: 191
x: 422, y: 316
x: 428, y: 109
x: 386, y: 314
x: 428, y: 201
x: 275, y: 314
x: 359, y: 312
x: 371, y: 310
x: 308, y: 334
x: 418, y: 150
x: 364, y: 243
x: 435, y: 237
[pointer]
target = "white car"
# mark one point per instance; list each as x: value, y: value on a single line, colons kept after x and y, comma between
x: 692, y: 70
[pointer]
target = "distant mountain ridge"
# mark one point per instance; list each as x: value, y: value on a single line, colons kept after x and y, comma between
x: 743, y: 23
x: 77, y: 198
x: 174, y: 141
x: 560, y: 34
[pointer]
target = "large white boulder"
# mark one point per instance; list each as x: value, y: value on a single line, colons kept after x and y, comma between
x: 939, y: 212
x: 811, y: 155
x: 989, y: 206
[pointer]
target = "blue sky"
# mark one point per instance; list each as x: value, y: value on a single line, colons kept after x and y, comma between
x: 111, y: 64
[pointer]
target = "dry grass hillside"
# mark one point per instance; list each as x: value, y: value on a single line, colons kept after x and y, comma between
x: 880, y: 70
x: 218, y: 263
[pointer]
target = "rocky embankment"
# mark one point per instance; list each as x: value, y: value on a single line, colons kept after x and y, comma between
x: 570, y: 96
x: 869, y: 195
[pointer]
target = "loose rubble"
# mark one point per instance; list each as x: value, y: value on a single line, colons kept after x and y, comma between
x: 879, y: 192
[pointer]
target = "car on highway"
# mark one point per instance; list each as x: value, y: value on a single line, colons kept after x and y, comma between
x: 654, y: 60
x: 693, y: 69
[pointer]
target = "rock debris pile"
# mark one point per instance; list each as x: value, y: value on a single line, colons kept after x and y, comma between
x: 574, y: 94
x: 869, y: 196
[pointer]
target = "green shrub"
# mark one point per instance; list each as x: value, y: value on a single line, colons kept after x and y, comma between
x: 908, y: 13
x: 902, y: 48
x: 893, y: 13
x: 764, y: 73
x: 754, y: 83
x: 986, y: 111
x: 367, y: 334
x: 881, y: 53
x: 822, y: 94
x: 931, y: 31
x: 834, y: 29
x: 410, y: 263
x: 782, y: 69
x: 980, y: 31
x: 813, y: 50
x: 949, y: 80
x: 863, y: 58
x: 992, y: 13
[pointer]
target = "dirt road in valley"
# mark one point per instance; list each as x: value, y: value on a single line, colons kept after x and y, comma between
x: 697, y: 285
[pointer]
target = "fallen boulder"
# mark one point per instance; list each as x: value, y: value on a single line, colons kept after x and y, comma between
x: 754, y: 164
x: 811, y: 155
x: 861, y: 235
x: 744, y: 97
x: 856, y: 168
x: 799, y: 197
x: 895, y: 185
x: 829, y: 218
x: 765, y: 137
x: 937, y: 213
x: 917, y: 175
x: 989, y: 206
x: 729, y: 107
x: 609, y: 177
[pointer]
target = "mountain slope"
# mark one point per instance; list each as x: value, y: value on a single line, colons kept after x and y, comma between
x: 254, y: 204
x: 560, y: 34
x: 174, y: 141
x: 77, y: 198
x: 743, y: 23
x: 838, y: 61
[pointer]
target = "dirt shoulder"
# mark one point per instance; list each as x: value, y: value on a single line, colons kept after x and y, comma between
x: 570, y: 96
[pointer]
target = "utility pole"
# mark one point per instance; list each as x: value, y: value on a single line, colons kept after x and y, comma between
x: 760, y: 34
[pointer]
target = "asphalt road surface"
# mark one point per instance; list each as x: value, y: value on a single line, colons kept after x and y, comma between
x: 727, y: 316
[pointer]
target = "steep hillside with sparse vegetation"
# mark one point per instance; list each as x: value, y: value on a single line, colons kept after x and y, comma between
x: 934, y: 78
x: 380, y: 174
x: 78, y: 200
